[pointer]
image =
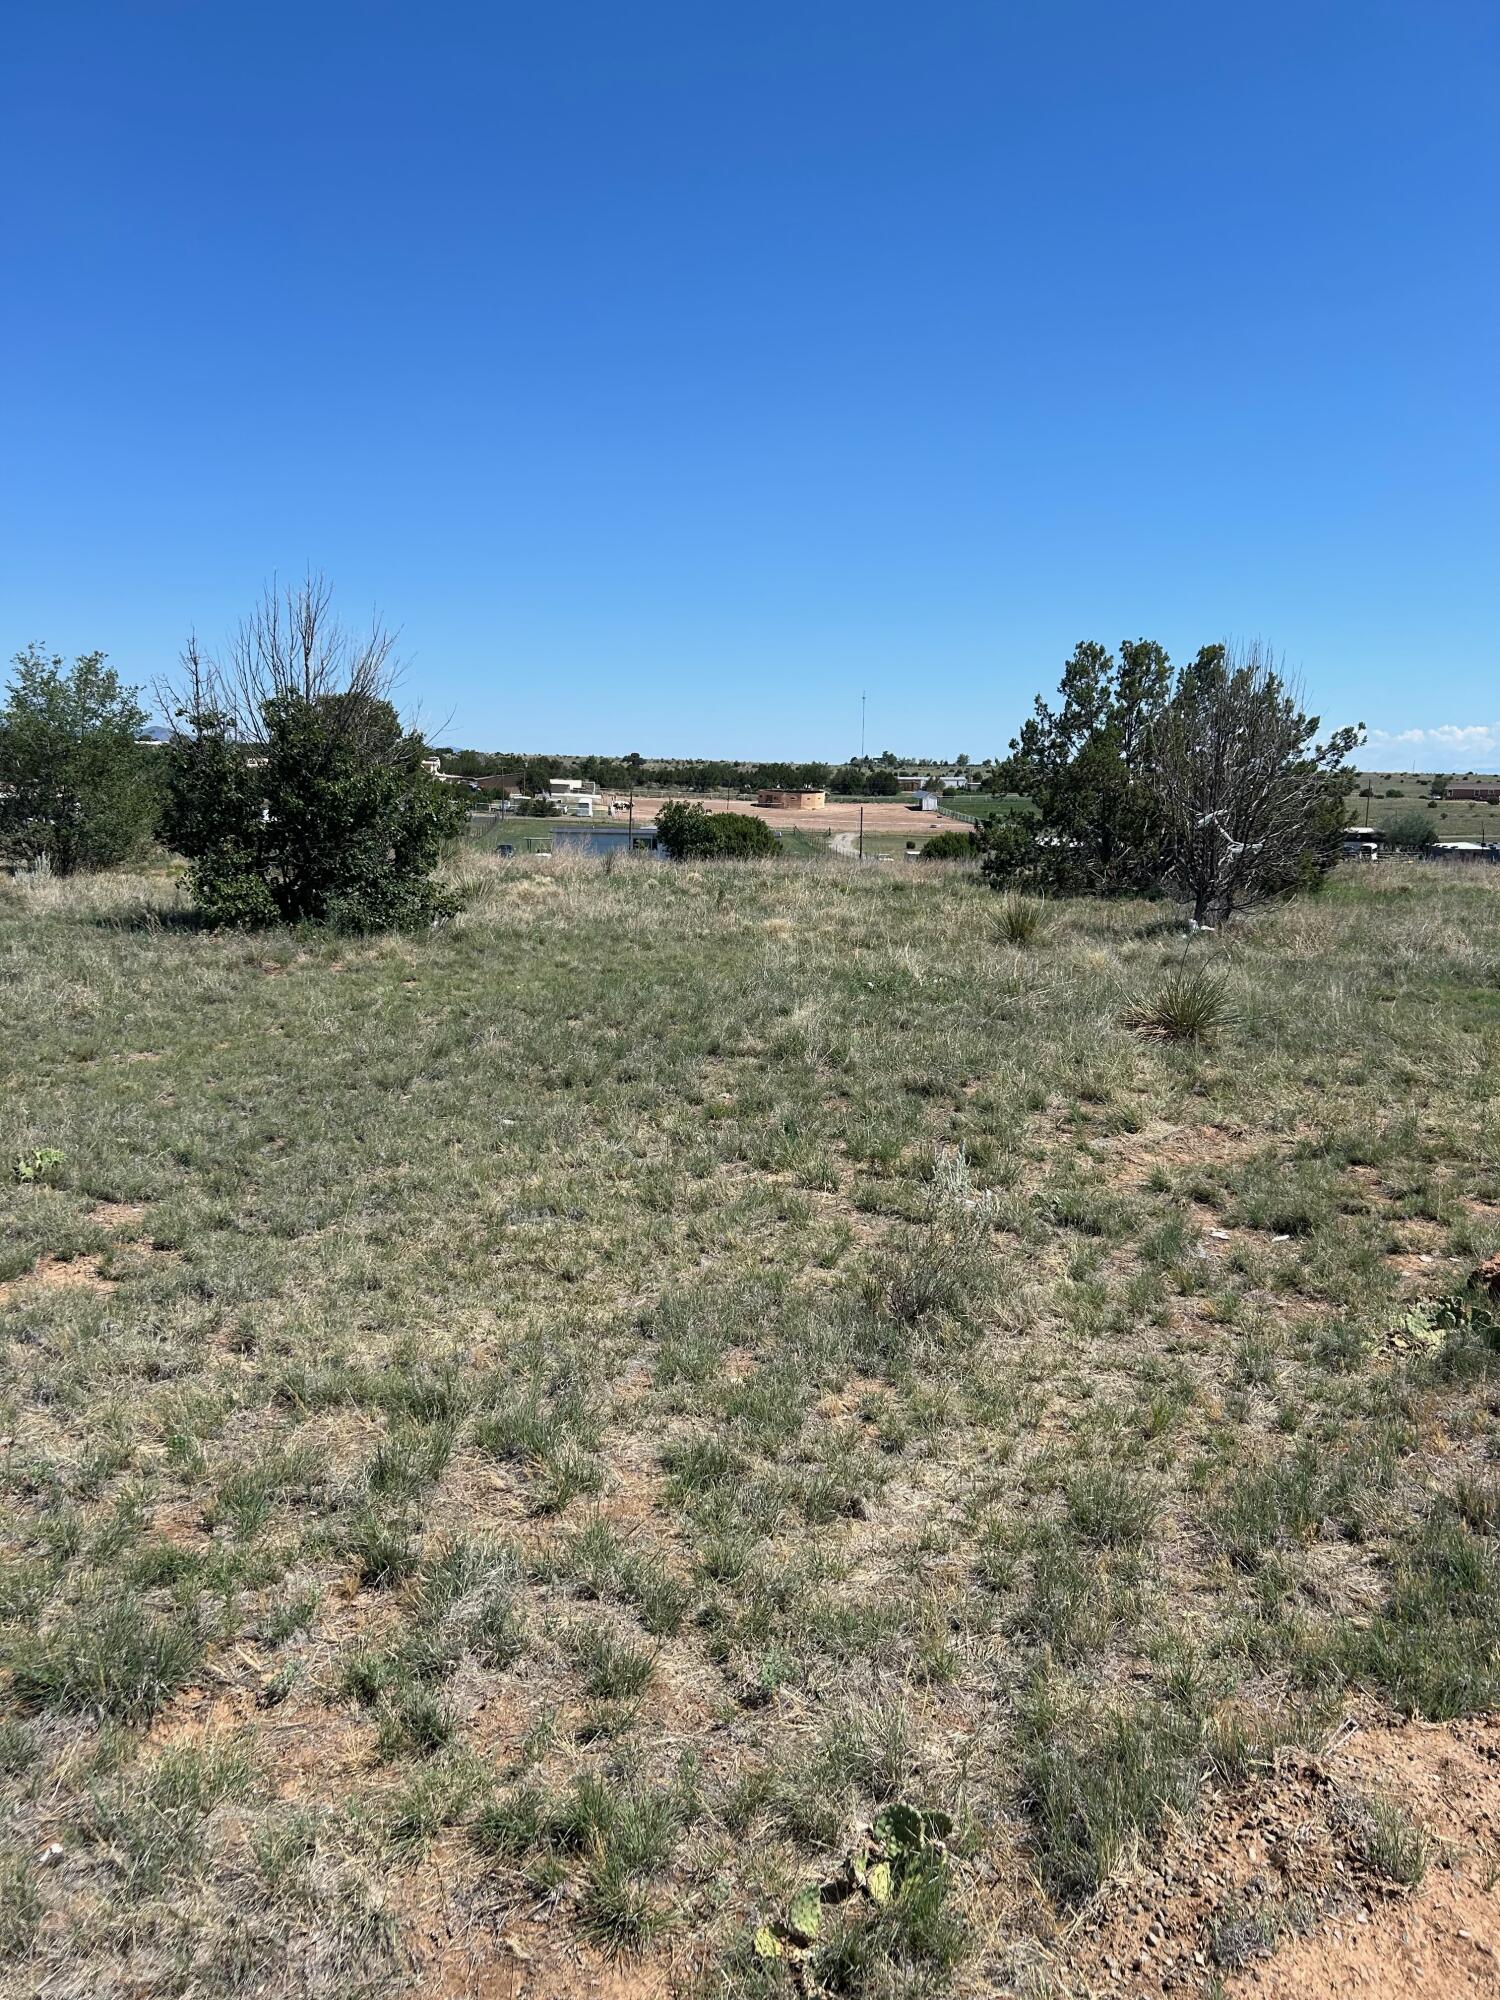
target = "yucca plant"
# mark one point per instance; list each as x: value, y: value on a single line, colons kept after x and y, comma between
x: 1189, y: 1006
x: 1020, y: 919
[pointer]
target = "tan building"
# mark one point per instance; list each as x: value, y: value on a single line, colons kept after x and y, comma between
x: 793, y: 801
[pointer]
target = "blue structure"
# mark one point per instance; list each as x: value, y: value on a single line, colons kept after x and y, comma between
x: 608, y: 838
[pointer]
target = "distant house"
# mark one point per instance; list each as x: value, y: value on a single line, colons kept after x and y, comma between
x: 1487, y: 792
x: 509, y: 784
x: 574, y: 796
x: 433, y: 766
x: 952, y: 780
x: 792, y: 801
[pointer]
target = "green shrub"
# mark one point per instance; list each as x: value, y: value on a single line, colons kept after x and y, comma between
x: 1012, y: 852
x: 950, y: 845
x: 741, y: 837
x: 688, y: 833
x: 1411, y: 830
x: 332, y: 820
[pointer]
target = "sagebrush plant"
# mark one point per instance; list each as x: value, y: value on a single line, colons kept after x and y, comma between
x: 589, y: 1407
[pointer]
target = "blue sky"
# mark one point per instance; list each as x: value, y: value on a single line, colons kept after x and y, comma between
x: 671, y: 373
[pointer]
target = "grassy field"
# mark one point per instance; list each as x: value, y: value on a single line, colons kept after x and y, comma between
x: 528, y: 1449
x: 1405, y: 792
x: 981, y: 805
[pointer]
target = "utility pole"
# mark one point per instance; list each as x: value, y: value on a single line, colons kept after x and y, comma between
x: 861, y: 728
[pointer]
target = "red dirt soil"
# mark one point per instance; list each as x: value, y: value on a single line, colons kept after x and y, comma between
x: 1269, y: 1894
x: 1271, y: 1889
x: 1443, y: 1938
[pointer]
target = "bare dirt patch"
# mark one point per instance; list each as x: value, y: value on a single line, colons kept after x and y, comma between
x: 1274, y: 1889
x: 58, y: 1274
x: 1442, y: 1938
x: 122, y: 1215
x: 474, y: 1945
x: 1178, y: 1148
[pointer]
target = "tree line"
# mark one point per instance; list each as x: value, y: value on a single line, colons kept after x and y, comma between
x: 294, y: 793
x: 869, y: 777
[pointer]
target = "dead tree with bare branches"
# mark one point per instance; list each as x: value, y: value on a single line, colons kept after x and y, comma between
x: 1252, y: 805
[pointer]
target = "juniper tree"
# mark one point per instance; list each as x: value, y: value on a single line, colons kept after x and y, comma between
x: 77, y: 788
x: 1250, y: 803
x: 294, y: 792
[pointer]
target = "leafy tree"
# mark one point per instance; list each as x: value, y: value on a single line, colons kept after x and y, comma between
x: 1250, y: 805
x: 1411, y: 829
x: 76, y: 787
x: 688, y: 833
x: 293, y: 791
x: 685, y: 832
x: 1083, y: 766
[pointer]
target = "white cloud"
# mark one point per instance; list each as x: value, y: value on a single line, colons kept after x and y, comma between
x: 1443, y: 745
